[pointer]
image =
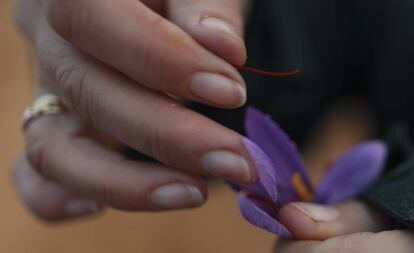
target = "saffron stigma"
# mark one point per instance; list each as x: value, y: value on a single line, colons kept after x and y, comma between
x: 304, y: 193
x: 268, y: 73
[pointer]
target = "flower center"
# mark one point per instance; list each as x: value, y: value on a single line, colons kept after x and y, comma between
x: 303, y: 191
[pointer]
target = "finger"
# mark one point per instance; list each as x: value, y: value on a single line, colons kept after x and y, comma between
x: 217, y: 25
x: 153, y: 124
x: 132, y: 38
x: 290, y: 246
x: 48, y: 200
x: 147, y: 121
x: 309, y: 221
x: 60, y: 149
x: 384, y: 242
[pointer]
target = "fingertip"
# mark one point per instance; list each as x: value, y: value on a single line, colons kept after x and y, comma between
x: 223, y: 39
x: 296, y: 222
x: 218, y: 90
x: 176, y: 196
x: 47, y: 200
x: 308, y: 221
x: 215, y: 25
x: 220, y: 37
x: 65, y: 211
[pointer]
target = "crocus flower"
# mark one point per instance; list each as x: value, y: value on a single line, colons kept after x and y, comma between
x: 283, y: 177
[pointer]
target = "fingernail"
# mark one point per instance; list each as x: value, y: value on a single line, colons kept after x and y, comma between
x: 177, y: 195
x: 217, y: 89
x: 317, y: 212
x: 219, y: 25
x: 227, y: 165
x: 77, y: 207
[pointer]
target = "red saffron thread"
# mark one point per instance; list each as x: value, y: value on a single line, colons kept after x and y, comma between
x: 268, y: 73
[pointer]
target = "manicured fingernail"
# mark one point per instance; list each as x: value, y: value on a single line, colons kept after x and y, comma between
x: 219, y: 25
x: 77, y: 207
x: 177, y: 195
x: 217, y: 89
x: 227, y: 165
x: 317, y: 212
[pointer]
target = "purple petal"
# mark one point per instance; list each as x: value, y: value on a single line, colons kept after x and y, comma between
x: 267, y: 184
x: 281, y: 150
x: 254, y: 212
x: 352, y: 173
x: 235, y: 186
x: 257, y: 189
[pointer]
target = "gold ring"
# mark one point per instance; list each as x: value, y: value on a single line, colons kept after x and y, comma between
x: 44, y: 105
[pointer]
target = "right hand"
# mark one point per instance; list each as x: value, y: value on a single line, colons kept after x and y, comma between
x: 351, y: 226
x: 116, y: 66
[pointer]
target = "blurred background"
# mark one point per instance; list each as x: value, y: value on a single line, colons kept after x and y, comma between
x: 216, y: 227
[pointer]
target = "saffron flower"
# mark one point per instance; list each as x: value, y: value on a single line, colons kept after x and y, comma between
x: 283, y: 177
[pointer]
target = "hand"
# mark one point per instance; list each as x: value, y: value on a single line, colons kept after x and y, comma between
x: 349, y: 227
x: 118, y: 66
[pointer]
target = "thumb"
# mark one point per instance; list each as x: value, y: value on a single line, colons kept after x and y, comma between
x: 215, y: 24
x: 308, y: 221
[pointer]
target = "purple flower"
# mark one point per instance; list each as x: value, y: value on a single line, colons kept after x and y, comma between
x: 283, y: 177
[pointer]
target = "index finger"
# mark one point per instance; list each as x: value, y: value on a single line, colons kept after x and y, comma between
x: 132, y: 38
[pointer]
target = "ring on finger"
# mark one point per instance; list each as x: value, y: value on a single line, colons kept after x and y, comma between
x: 47, y: 104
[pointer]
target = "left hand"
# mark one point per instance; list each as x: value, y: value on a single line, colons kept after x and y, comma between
x: 351, y: 227
x: 104, y: 60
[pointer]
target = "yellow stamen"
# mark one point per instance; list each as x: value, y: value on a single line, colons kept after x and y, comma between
x: 305, y: 194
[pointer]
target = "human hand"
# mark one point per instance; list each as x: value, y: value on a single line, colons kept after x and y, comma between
x: 348, y: 227
x: 115, y: 65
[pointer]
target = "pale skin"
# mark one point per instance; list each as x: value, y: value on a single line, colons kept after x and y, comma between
x: 121, y: 68
x: 354, y: 227
x: 115, y: 65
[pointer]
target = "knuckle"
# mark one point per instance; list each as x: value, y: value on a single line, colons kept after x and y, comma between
x: 72, y: 84
x: 153, y: 142
x: 61, y: 70
x: 162, y: 142
x: 114, y: 195
x: 107, y: 191
x: 122, y: 193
